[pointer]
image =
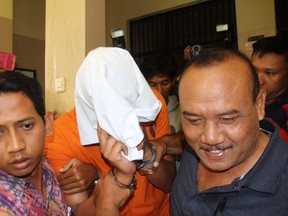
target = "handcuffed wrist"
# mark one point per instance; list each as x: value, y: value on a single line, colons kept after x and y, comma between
x: 120, y: 184
x: 153, y: 155
x: 152, y: 158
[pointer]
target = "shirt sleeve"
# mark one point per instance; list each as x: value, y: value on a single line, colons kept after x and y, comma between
x: 57, y: 147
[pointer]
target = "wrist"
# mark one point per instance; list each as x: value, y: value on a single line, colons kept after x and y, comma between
x: 123, y: 181
x: 94, y: 182
x: 109, y: 196
x: 150, y: 154
x: 98, y: 176
x: 153, y: 154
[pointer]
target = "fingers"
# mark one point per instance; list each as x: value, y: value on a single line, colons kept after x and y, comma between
x: 146, y: 171
x: 65, y: 178
x: 77, y: 177
x: 73, y: 187
x: 102, y: 135
x: 72, y: 179
x: 124, y: 149
x: 67, y: 166
x: 110, y: 147
x: 159, y: 155
x: 113, y: 150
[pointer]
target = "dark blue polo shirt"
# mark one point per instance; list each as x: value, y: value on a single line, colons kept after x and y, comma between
x: 262, y: 191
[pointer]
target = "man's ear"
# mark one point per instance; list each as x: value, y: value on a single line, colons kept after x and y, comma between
x: 260, y: 103
x: 174, y: 80
x: 48, y: 128
x: 49, y: 119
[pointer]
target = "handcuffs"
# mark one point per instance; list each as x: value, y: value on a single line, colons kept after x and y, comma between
x: 140, y: 164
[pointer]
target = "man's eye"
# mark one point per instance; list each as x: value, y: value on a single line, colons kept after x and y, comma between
x: 227, y: 120
x: 195, y: 121
x: 270, y: 73
x: 2, y: 132
x: 27, y: 126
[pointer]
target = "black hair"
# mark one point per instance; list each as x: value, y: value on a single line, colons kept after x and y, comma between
x: 218, y: 55
x: 16, y: 82
x: 274, y: 44
x: 159, y: 65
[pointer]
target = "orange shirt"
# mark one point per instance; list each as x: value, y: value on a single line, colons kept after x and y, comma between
x: 64, y: 145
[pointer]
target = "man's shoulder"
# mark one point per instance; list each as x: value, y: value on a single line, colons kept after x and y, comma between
x: 270, y: 124
x: 10, y: 188
x: 66, y: 117
x: 158, y: 95
x: 66, y: 123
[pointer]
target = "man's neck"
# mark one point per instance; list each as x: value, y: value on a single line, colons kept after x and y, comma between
x: 36, y: 178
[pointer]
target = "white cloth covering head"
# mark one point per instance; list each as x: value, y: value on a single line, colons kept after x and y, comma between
x: 111, y: 90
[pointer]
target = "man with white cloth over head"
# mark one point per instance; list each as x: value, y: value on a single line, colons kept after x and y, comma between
x: 115, y: 95
x: 111, y: 93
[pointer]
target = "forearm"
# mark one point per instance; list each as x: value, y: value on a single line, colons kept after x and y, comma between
x: 99, y: 205
x: 76, y: 200
x: 107, y: 196
x: 174, y: 143
x: 164, y: 175
x: 86, y: 208
x: 103, y: 210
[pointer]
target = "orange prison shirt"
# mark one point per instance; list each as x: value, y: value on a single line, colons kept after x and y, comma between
x: 64, y: 145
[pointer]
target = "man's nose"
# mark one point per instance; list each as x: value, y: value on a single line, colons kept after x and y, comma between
x: 159, y: 88
x: 15, y: 142
x: 212, y: 133
x: 261, y: 77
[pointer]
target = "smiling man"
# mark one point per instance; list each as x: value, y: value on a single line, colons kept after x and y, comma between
x: 231, y: 165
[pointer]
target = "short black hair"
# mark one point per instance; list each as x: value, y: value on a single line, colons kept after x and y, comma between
x: 159, y: 65
x: 274, y: 44
x: 212, y: 56
x: 16, y: 82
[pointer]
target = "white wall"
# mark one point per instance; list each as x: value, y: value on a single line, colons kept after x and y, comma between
x: 64, y: 49
x: 73, y: 28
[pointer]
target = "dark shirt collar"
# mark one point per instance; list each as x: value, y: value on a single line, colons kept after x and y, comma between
x: 272, y: 163
x: 276, y: 104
